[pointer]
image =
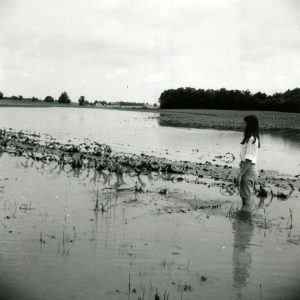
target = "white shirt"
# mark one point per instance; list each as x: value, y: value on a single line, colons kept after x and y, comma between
x: 249, y: 150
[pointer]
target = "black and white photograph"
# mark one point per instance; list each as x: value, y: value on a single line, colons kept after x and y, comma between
x: 149, y: 149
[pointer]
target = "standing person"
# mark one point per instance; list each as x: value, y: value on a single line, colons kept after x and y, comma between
x: 248, y: 172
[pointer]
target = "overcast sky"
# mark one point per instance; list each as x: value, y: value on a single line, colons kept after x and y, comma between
x: 132, y: 50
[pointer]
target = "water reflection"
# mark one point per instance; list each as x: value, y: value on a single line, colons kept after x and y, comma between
x: 241, y: 256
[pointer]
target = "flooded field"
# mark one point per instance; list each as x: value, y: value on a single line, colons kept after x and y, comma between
x: 136, y: 132
x: 70, y: 232
x: 55, y: 245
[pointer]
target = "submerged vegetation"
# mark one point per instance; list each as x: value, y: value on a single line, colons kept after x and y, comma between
x: 100, y: 158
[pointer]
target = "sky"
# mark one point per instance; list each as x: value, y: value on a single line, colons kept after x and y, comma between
x: 132, y: 50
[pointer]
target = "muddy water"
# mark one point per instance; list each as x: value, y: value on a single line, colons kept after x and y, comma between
x: 136, y: 132
x: 53, y: 245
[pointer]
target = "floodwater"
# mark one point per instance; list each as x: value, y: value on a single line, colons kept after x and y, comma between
x: 54, y: 245
x: 136, y: 132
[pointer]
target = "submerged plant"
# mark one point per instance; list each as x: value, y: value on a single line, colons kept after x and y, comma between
x: 100, y: 204
x: 289, y: 223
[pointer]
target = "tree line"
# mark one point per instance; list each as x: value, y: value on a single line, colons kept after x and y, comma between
x: 65, y: 99
x: 190, y: 98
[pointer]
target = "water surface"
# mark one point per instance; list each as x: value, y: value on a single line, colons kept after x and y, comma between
x: 139, y: 132
x: 61, y: 249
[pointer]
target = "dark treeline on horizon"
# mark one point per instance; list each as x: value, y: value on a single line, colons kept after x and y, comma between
x: 190, y: 98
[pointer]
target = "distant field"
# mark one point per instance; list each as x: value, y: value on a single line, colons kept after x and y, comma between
x: 29, y: 103
x: 40, y: 103
x: 229, y: 119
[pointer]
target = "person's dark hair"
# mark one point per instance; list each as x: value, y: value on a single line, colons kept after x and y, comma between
x: 252, y: 129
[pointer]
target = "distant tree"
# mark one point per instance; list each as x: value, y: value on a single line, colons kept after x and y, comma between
x: 14, y: 98
x: 1, y: 96
x: 100, y: 102
x: 155, y: 104
x: 260, y: 96
x: 20, y: 97
x: 64, y: 98
x: 81, y: 101
x: 34, y: 99
x: 291, y: 100
x: 49, y: 99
